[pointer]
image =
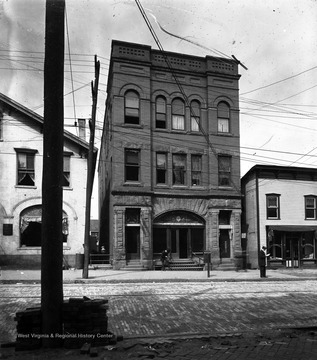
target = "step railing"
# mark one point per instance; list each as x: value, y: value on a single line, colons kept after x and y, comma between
x: 199, y: 255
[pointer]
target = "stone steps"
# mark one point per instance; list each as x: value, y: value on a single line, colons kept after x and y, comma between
x: 181, y: 265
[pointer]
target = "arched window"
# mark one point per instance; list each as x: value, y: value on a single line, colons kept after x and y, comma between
x: 223, y: 113
x: 178, y: 114
x: 131, y: 107
x: 31, y: 226
x: 160, y: 113
x: 195, y: 115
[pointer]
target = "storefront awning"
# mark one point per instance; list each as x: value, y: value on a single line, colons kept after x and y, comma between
x: 293, y: 228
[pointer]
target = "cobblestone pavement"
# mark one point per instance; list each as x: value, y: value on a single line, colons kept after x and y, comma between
x: 160, y: 309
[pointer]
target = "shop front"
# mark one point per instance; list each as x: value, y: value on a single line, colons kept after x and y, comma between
x: 292, y: 246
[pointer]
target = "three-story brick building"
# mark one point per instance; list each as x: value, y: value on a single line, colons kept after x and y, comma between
x: 169, y: 169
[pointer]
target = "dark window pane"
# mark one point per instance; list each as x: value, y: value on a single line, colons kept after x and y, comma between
x: 132, y: 173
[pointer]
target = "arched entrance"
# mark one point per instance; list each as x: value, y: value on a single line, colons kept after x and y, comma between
x: 180, y: 231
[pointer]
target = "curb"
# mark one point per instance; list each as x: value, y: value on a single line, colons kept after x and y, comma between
x: 88, y: 281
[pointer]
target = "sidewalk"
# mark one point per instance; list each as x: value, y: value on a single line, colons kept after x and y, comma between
x: 117, y: 276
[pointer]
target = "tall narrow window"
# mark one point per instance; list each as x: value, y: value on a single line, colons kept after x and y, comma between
x: 310, y: 207
x: 26, y: 171
x: 160, y: 113
x: 131, y: 108
x: 196, y: 170
x: 273, y: 206
x: 195, y: 115
x: 132, y: 165
x: 161, y: 167
x: 179, y: 169
x: 178, y: 115
x: 224, y: 170
x: 1, y: 122
x: 223, y: 112
x: 66, y: 171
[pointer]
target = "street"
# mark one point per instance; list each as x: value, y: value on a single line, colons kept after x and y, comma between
x: 169, y: 308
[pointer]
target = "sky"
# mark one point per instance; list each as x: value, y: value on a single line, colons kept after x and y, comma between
x: 276, y: 40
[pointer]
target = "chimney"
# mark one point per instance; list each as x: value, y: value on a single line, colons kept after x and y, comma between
x: 82, y: 128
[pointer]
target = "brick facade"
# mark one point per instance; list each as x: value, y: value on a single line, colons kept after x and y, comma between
x: 156, y: 163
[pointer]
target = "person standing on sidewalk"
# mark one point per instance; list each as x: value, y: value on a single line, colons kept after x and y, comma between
x: 262, y: 261
x: 165, y: 258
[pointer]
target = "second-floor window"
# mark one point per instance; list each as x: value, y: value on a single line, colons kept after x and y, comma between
x: 310, y: 207
x: 224, y: 170
x: 179, y: 169
x: 161, y: 168
x: 272, y: 206
x: 132, y: 165
x: 131, y: 108
x: 160, y: 113
x: 196, y: 170
x: 178, y: 115
x: 26, y: 170
x: 223, y: 114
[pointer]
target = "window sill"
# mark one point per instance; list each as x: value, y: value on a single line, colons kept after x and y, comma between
x: 224, y: 134
x: 136, y: 126
x: 29, y: 248
x: 176, y: 131
x: 197, y: 133
x: 131, y: 183
x: 25, y: 187
x: 67, y: 188
x: 181, y: 187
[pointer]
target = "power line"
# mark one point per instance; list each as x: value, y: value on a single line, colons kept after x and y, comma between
x: 278, y: 82
x: 176, y: 79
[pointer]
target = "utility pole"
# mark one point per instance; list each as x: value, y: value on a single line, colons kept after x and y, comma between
x: 90, y: 166
x: 52, y: 195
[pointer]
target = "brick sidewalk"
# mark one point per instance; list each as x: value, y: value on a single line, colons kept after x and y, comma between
x: 104, y: 276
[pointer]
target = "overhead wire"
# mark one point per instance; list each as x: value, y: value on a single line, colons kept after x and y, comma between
x: 71, y: 70
x: 177, y: 80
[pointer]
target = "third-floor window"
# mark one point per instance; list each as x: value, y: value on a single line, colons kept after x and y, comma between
x: 194, y: 115
x: 160, y: 113
x: 178, y: 114
x: 131, y: 108
x: 223, y: 114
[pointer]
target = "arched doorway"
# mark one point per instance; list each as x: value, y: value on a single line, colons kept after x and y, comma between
x: 180, y: 231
